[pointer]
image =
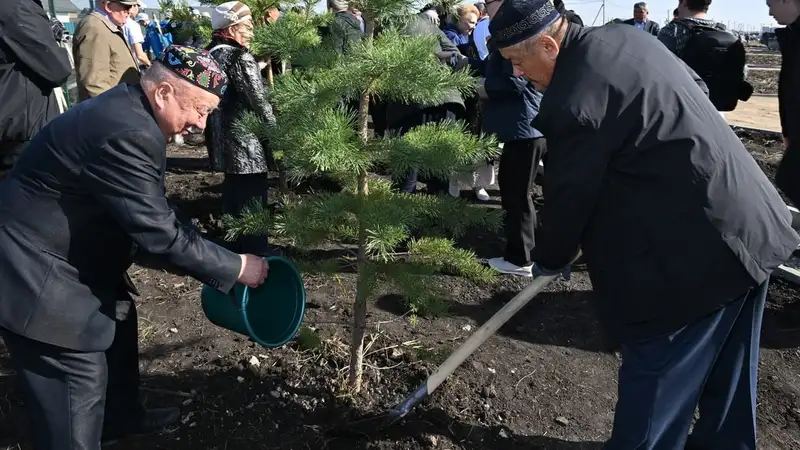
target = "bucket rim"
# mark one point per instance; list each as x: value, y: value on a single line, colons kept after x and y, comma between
x: 246, y: 297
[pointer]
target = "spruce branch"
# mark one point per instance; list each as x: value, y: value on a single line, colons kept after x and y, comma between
x: 444, y: 256
x: 292, y: 34
x: 438, y: 150
x: 254, y: 220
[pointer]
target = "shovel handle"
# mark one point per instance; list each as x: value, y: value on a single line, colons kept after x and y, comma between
x: 487, y: 330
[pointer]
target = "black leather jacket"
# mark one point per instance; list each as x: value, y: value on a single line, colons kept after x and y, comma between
x: 233, y: 151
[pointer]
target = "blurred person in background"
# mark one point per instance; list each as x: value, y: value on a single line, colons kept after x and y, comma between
x: 103, y: 58
x: 32, y: 67
x: 787, y: 12
x: 641, y: 19
x: 135, y: 37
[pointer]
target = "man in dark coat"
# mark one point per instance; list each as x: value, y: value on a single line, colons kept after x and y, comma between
x: 788, y: 176
x: 679, y: 227
x: 641, y: 20
x: 344, y: 31
x: 88, y: 193
x: 31, y: 66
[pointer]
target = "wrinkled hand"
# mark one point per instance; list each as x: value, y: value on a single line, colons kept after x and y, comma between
x: 539, y: 271
x: 254, y: 271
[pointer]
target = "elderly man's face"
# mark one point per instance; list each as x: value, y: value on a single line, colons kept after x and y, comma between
x: 117, y: 12
x: 639, y: 14
x: 179, y: 106
x: 536, y: 62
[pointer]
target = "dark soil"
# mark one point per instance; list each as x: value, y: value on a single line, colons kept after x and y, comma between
x: 547, y: 380
x: 764, y: 58
x: 763, y: 81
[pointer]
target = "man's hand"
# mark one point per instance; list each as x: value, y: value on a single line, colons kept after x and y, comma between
x: 539, y: 271
x: 254, y: 270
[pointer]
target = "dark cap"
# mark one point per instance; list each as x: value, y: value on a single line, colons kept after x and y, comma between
x: 196, y: 66
x: 517, y: 20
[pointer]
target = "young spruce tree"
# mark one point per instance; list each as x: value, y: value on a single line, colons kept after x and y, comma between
x: 395, y: 237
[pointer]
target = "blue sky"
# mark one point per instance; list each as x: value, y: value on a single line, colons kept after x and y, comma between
x: 738, y: 14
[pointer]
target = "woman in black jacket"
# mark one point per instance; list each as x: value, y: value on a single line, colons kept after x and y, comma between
x: 239, y: 154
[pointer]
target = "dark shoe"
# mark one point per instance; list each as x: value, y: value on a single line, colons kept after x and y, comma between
x: 153, y: 420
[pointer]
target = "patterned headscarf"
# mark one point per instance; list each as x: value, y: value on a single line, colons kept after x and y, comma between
x: 196, y: 66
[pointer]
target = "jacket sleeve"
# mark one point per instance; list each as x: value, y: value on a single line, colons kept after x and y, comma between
x: 92, y: 53
x: 699, y: 81
x: 246, y: 75
x: 31, y: 40
x: 577, y: 161
x: 125, y: 175
x: 446, y: 44
x: 655, y: 27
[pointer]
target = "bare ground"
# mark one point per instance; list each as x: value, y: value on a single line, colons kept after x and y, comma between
x: 547, y: 380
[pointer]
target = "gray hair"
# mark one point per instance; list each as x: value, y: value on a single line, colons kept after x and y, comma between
x: 158, y: 73
x: 338, y: 5
x: 640, y: 5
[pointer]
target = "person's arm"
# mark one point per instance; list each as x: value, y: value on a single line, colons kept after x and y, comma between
x: 578, y: 156
x: 247, y: 77
x: 654, y: 28
x: 141, y: 55
x: 136, y: 40
x: 124, y: 175
x: 445, y: 42
x: 30, y: 39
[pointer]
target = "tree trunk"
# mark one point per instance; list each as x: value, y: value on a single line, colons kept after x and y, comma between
x: 283, y: 183
x: 360, y: 307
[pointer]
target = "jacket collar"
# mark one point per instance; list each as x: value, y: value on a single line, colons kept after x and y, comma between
x: 573, y: 29
x: 106, y: 21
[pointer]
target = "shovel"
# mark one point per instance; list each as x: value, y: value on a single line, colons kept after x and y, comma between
x: 382, y: 421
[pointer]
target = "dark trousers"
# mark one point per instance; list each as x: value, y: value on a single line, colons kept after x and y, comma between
x: 238, y: 192
x: 9, y: 154
x: 518, y: 164
x: 72, y: 398
x: 711, y: 363
x: 428, y: 115
x: 787, y: 177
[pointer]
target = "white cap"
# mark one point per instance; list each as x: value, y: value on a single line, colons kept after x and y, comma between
x: 142, y: 16
x: 228, y: 14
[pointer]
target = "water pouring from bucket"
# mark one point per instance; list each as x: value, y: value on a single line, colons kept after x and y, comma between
x: 270, y: 314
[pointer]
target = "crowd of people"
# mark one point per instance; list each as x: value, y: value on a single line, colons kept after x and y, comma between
x: 679, y: 227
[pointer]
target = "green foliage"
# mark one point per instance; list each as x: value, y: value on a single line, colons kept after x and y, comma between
x: 388, y: 236
x: 292, y: 34
x: 179, y: 11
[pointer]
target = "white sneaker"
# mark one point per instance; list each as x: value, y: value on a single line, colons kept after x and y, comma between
x: 482, y: 194
x: 454, y: 190
x: 503, y: 266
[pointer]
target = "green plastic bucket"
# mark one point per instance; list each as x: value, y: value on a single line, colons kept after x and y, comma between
x: 270, y: 314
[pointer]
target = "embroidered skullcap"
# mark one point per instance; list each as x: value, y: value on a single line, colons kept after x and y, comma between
x: 517, y: 20
x: 195, y: 66
x: 229, y: 14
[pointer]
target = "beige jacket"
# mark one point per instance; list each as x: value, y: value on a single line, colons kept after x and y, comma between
x: 103, y: 58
